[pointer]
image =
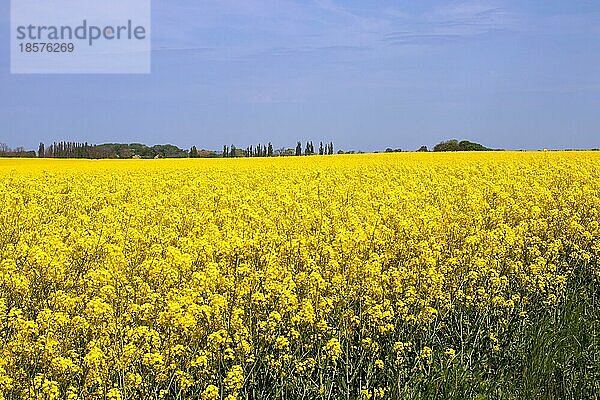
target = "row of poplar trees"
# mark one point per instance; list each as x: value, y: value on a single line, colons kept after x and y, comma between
x: 310, y: 149
x: 64, y: 150
x: 261, y: 150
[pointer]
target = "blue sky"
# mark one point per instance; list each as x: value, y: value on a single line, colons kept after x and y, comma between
x: 366, y: 75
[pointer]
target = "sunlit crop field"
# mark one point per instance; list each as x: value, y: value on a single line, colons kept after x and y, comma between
x: 366, y: 276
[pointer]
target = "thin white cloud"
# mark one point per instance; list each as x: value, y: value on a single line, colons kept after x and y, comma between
x: 256, y: 27
x: 454, y: 22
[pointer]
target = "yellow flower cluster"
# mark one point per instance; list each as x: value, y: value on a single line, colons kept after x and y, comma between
x: 313, y: 277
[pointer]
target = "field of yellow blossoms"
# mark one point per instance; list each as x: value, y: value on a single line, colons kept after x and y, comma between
x: 379, y: 276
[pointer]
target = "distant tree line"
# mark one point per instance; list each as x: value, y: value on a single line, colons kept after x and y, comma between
x: 463, y: 145
x: 109, y: 150
x: 195, y: 153
x: 262, y: 150
x: 65, y: 149
x: 20, y: 152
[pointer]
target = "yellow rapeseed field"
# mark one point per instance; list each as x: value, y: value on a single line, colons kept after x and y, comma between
x: 326, y: 277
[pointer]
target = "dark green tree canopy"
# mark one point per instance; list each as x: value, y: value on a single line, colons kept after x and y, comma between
x: 463, y: 145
